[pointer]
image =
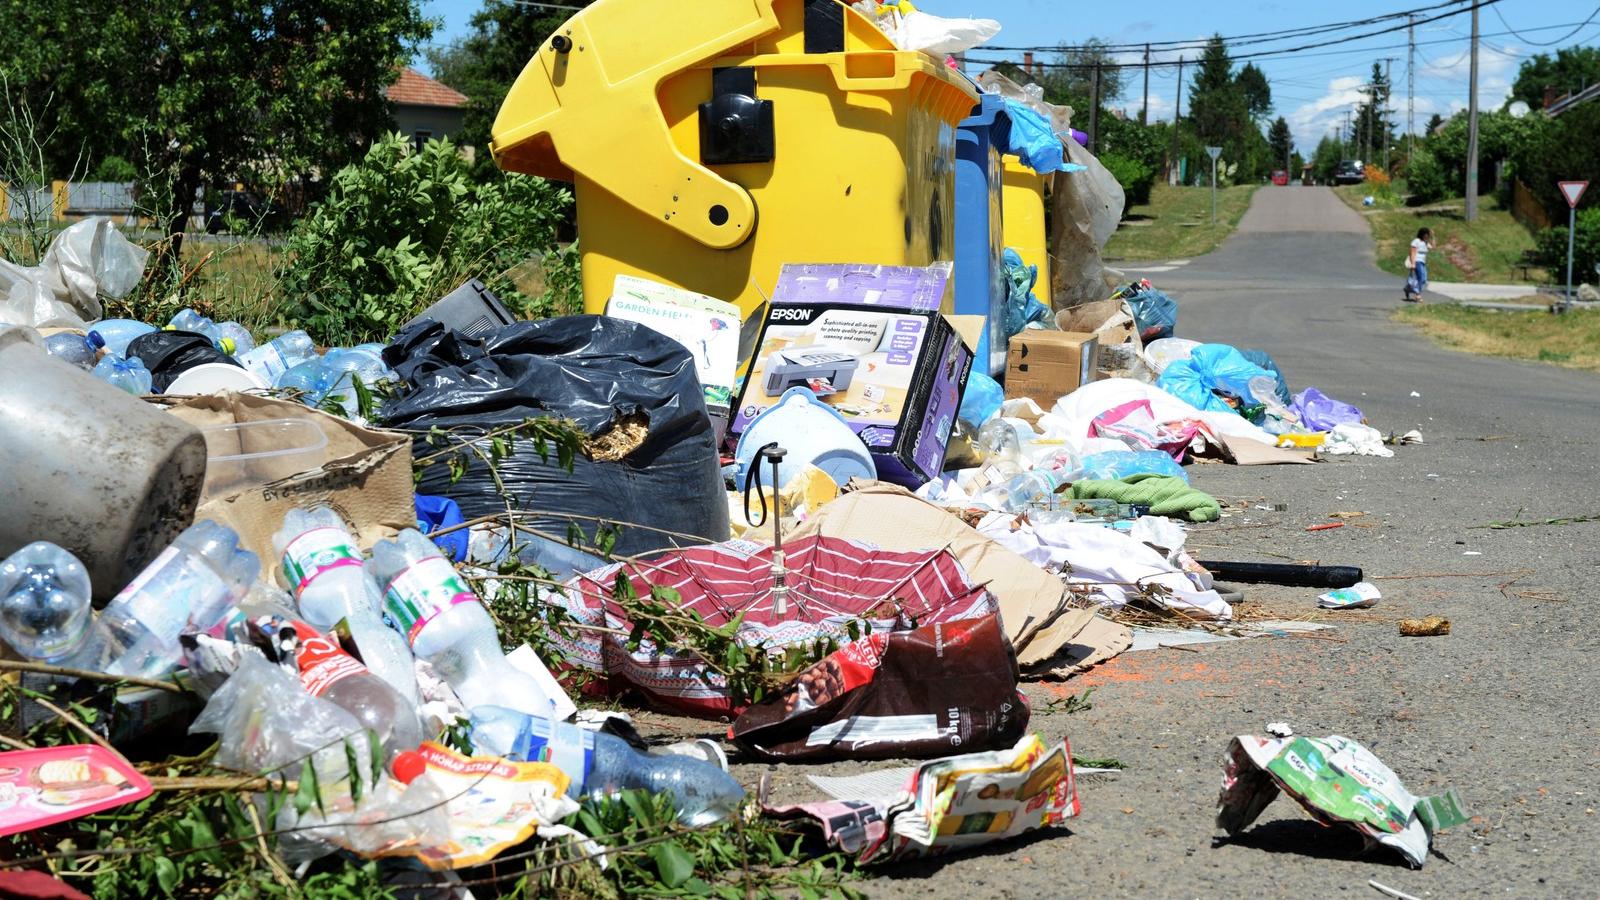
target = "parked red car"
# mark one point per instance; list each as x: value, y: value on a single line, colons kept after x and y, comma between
x: 1280, y: 177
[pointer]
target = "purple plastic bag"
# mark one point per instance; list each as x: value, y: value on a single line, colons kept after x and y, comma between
x: 1319, y: 412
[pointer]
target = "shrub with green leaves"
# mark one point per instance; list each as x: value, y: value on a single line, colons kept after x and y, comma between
x: 1426, y: 178
x: 1134, y: 176
x: 403, y: 227
x: 1585, y: 250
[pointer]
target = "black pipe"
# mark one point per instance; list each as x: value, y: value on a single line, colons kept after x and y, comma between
x: 1280, y: 573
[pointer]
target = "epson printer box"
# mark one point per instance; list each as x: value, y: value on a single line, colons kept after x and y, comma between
x: 872, y: 342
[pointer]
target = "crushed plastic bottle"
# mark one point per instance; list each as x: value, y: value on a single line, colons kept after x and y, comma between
x: 277, y: 356
x: 333, y: 375
x: 124, y: 374
x: 78, y: 349
x: 1035, y: 488
x: 45, y: 613
x: 230, y: 337
x: 446, y: 625
x: 322, y: 567
x: 328, y: 672
x: 119, y: 333
x: 192, y: 584
x: 601, y: 765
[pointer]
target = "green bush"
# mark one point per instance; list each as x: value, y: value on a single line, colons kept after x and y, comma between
x: 1558, y: 150
x: 1585, y: 250
x: 401, y: 228
x: 1426, y: 178
x: 1134, y: 176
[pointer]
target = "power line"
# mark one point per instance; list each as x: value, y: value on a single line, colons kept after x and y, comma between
x: 1241, y: 39
x: 1547, y: 43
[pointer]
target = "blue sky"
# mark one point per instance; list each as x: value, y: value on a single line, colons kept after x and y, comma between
x: 1311, y: 88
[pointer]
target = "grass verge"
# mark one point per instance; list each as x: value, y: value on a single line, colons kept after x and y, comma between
x: 1485, y: 251
x: 1176, y: 224
x: 1571, y: 340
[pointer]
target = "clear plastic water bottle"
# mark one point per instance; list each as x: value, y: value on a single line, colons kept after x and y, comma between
x: 602, y: 764
x: 277, y: 356
x: 125, y: 374
x: 321, y: 566
x: 192, y: 584
x: 1035, y: 488
x: 333, y: 376
x: 441, y: 617
x: 230, y: 337
x: 44, y: 608
x: 78, y: 349
x: 119, y: 333
x: 189, y: 320
x: 328, y: 672
x: 236, y: 339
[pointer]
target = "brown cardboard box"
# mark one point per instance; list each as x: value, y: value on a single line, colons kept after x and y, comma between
x: 366, y: 476
x: 1048, y: 365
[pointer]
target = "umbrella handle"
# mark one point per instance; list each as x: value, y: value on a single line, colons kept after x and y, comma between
x: 752, y: 478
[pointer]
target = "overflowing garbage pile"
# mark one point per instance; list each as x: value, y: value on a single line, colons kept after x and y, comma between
x: 384, y: 600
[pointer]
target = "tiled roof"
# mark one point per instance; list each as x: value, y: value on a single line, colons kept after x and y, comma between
x: 417, y: 89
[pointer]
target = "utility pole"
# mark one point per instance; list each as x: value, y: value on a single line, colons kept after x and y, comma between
x: 1144, y: 111
x: 1177, y: 117
x: 1411, y: 87
x: 1094, y: 111
x: 1347, y: 137
x: 1388, y: 93
x: 1472, y: 126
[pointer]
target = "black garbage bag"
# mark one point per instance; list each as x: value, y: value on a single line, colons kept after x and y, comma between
x: 168, y: 354
x: 596, y: 371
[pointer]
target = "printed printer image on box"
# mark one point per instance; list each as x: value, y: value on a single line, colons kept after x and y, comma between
x: 871, y: 342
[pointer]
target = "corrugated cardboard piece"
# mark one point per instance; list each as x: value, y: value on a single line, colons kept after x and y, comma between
x: 1051, y: 637
x: 1047, y: 365
x: 366, y: 476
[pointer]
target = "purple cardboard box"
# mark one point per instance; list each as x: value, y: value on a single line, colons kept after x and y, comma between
x: 871, y: 342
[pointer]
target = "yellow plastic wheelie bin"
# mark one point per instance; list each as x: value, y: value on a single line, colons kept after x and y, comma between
x: 712, y: 141
x: 1024, y: 218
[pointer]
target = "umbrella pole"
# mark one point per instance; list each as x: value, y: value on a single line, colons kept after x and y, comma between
x: 780, y: 587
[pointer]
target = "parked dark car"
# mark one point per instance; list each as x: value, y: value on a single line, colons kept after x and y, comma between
x: 244, y: 210
x: 1349, y: 171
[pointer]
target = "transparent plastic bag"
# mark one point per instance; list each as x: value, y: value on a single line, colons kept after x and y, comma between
x: 940, y: 36
x: 270, y: 726
x: 86, y: 260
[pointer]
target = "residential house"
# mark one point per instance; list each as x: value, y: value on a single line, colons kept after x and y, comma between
x: 424, y: 108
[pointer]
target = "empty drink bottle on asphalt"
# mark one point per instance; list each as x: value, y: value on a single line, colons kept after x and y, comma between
x: 192, y: 584
x: 322, y: 567
x: 328, y: 672
x: 603, y: 764
x: 428, y: 600
x: 44, y: 608
x: 277, y: 356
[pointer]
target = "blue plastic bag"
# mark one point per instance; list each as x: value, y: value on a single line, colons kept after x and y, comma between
x: 1021, y: 306
x: 1265, y: 361
x: 1155, y: 313
x: 1032, y: 139
x: 982, y: 399
x: 434, y: 513
x: 1211, y: 368
x: 1115, y: 465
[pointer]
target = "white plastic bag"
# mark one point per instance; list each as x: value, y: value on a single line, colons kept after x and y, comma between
x: 86, y: 260
x: 940, y: 36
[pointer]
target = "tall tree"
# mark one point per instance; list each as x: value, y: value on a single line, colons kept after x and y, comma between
x: 1257, y: 93
x: 1069, y: 79
x: 1219, y: 112
x: 1570, y: 70
x: 208, y: 90
x: 505, y: 36
x: 1281, y: 141
x: 1434, y: 121
x: 1372, y: 126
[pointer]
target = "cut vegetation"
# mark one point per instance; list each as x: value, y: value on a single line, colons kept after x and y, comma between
x: 1488, y: 251
x: 1571, y: 340
x: 1176, y: 223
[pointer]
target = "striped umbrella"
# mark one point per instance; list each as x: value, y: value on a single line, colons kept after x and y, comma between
x: 830, y: 582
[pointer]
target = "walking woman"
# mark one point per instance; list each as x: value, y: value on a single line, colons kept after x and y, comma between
x: 1417, y: 265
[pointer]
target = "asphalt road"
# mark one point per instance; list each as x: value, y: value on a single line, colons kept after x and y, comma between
x: 1504, y: 708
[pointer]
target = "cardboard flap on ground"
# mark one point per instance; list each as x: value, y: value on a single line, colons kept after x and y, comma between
x: 366, y: 476
x: 1033, y: 603
x: 1243, y: 451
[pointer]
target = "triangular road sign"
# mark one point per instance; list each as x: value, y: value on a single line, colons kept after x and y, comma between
x: 1573, y: 190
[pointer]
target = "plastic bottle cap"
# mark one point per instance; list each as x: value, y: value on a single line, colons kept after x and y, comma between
x: 95, y: 340
x: 408, y: 766
x: 226, y: 345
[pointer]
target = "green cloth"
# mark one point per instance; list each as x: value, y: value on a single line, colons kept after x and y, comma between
x: 1164, y: 494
